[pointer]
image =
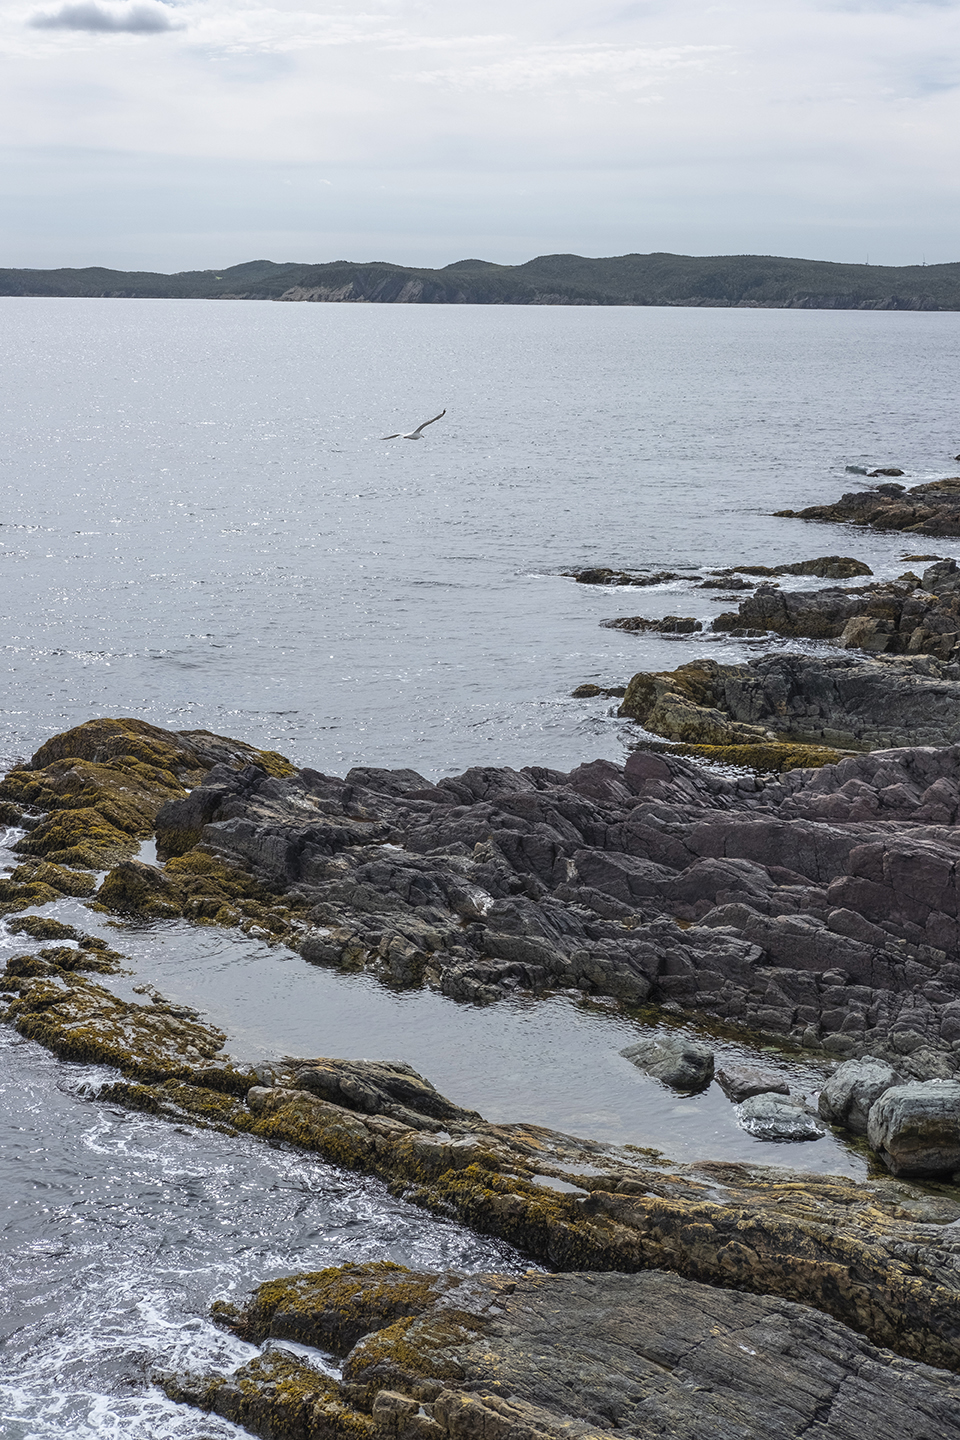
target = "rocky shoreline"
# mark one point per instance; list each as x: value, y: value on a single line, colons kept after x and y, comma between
x: 816, y: 909
x: 929, y: 509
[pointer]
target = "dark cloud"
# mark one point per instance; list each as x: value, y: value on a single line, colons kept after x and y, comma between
x: 88, y: 15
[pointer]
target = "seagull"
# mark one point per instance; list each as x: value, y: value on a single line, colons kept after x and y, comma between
x: 414, y: 434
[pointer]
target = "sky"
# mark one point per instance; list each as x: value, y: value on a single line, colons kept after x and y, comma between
x: 185, y: 134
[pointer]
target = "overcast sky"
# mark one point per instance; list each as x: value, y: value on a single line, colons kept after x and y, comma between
x: 145, y: 134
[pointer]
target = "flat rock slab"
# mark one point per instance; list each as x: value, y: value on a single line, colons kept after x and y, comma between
x: 578, y: 1354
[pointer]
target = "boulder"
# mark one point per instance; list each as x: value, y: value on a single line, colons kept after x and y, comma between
x: 915, y: 1128
x: 771, y: 1117
x: 850, y: 1092
x: 740, y: 1082
x: 677, y: 1060
x: 137, y: 888
x: 826, y: 567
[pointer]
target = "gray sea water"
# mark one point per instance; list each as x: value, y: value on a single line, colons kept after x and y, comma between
x: 200, y: 526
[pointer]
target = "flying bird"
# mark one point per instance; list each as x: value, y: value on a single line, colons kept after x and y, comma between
x: 414, y: 434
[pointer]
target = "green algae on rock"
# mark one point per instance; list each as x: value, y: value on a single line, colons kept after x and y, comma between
x: 848, y: 1248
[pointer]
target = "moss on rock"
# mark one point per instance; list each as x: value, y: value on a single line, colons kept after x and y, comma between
x: 776, y: 755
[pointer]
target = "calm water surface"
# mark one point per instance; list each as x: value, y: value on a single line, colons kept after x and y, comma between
x: 200, y: 526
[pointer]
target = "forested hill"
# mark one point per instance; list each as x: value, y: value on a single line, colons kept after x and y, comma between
x: 659, y: 279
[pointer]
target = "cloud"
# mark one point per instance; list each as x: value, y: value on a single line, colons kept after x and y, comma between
x: 569, y: 64
x: 136, y: 19
x: 812, y: 126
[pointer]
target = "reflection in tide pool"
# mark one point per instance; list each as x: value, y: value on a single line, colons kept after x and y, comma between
x: 553, y: 1062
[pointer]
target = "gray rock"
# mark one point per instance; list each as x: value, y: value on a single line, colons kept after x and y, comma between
x: 678, y: 1061
x: 567, y: 1357
x: 381, y: 1087
x: 915, y: 1128
x: 769, y: 1117
x: 852, y: 1089
x: 740, y: 1082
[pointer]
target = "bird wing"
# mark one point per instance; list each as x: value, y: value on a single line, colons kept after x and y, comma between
x: 391, y: 437
x: 429, y: 422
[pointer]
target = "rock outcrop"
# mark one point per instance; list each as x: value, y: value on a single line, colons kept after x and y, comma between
x: 820, y: 907
x: 929, y: 509
x: 908, y: 616
x: 830, y: 701
x: 428, y: 1356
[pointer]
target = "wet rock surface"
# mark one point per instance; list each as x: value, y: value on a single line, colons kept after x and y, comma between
x: 563, y: 1355
x: 929, y: 509
x: 913, y: 615
x: 677, y: 1060
x: 915, y: 1129
x: 852, y: 1089
x: 840, y: 702
x: 879, y: 1255
x: 773, y: 1117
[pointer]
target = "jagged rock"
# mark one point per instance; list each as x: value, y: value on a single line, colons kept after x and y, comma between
x: 603, y: 575
x: 669, y: 625
x: 820, y: 905
x: 915, y: 1128
x: 826, y: 567
x: 740, y: 1082
x: 769, y: 1117
x: 908, y: 616
x: 677, y: 1060
x: 852, y: 1089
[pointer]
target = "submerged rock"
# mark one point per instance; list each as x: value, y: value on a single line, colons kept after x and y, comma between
x: 915, y: 1128
x: 677, y: 1060
x: 850, y: 1092
x: 603, y: 575
x: 669, y: 625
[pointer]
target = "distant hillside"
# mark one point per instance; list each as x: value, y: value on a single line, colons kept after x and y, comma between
x: 764, y: 281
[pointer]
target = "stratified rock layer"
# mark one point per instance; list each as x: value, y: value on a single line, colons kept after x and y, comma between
x: 822, y: 906
x: 487, y: 1357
